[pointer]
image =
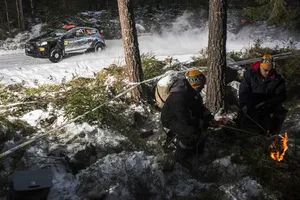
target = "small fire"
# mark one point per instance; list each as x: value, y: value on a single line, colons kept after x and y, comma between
x: 279, y: 147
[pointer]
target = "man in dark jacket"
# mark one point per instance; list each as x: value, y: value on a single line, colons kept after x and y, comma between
x: 261, y: 94
x: 182, y: 112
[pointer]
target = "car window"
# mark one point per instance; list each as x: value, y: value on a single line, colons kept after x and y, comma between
x: 70, y: 34
x: 90, y: 31
x: 79, y: 32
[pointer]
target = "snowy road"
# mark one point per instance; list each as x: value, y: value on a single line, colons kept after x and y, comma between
x: 114, y: 51
x: 168, y: 44
x: 16, y: 67
x: 19, y: 59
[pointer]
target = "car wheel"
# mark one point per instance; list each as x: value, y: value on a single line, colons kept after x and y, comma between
x: 99, y: 47
x: 55, y: 55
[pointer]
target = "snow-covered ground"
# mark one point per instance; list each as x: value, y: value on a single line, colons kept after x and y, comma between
x: 114, y: 173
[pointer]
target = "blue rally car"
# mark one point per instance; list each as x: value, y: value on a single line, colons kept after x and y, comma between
x: 60, y: 42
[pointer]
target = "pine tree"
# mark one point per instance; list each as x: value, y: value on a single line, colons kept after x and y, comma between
x: 7, y: 15
x: 274, y: 11
x: 21, y: 22
x: 131, y: 49
x: 216, y: 55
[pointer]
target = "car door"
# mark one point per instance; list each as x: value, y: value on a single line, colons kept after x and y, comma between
x: 69, y: 41
x: 76, y: 42
x: 90, y: 34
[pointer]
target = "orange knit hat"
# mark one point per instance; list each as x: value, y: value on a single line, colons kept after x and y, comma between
x: 267, y: 61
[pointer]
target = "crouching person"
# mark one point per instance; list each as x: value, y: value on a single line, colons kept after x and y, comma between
x: 183, y: 112
x: 261, y: 94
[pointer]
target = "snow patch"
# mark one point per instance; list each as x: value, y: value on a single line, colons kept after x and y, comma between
x: 110, y: 80
x: 135, y: 108
x: 57, y: 73
x: 244, y: 189
x: 65, y: 187
x: 36, y: 30
x: 140, y: 28
x: 7, y: 52
x: 17, y: 43
x: 225, y: 162
x: 92, y: 13
x: 235, y: 85
x: 35, y: 116
x: 168, y: 80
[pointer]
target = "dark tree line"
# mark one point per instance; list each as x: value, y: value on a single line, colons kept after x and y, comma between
x: 16, y: 15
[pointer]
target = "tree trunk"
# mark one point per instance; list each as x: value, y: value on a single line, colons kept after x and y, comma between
x: 7, y: 16
x: 22, y: 23
x: 64, y: 4
x: 215, y: 99
x: 131, y: 47
x: 18, y: 13
x: 31, y: 6
x: 107, y: 4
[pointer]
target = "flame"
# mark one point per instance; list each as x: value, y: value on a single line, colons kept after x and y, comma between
x: 277, y: 146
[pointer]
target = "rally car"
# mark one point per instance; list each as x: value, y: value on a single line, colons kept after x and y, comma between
x: 60, y: 42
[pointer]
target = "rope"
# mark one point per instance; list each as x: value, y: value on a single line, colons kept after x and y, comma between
x: 243, y: 131
x: 134, y: 85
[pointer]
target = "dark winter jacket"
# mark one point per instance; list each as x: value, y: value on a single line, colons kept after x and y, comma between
x: 254, y: 88
x: 183, y: 107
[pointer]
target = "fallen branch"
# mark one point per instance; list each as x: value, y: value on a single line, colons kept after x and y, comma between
x: 252, y: 60
x: 17, y: 104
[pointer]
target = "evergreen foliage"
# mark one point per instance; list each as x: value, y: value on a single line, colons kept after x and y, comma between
x: 275, y: 12
x: 151, y: 66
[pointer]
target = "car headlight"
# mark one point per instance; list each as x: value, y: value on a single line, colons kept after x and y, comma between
x: 41, y: 43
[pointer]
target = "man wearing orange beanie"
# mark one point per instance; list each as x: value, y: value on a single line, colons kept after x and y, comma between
x: 183, y: 112
x: 261, y: 94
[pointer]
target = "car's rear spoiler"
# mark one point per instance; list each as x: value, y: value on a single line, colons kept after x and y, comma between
x: 69, y: 26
